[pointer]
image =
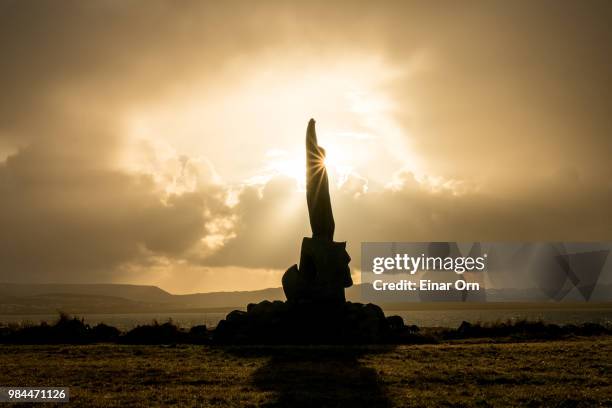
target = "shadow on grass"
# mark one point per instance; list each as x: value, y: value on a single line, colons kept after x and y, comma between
x: 318, y: 376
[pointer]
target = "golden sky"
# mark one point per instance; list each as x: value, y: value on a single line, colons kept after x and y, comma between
x: 162, y: 142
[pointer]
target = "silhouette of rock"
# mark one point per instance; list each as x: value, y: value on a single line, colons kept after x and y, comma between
x: 323, y: 272
x: 316, y: 310
x: 395, y: 322
x: 317, y: 188
x: 322, y: 275
x: 304, y: 323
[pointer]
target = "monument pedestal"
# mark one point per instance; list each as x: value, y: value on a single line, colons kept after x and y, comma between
x: 322, y: 275
x: 316, y: 311
x: 305, y: 323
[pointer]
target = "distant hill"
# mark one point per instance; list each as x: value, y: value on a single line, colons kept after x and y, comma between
x: 71, y: 303
x: 120, y: 298
x: 140, y: 293
x: 18, y: 298
x: 229, y: 299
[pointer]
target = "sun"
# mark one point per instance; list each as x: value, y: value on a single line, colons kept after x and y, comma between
x: 293, y: 165
x: 252, y: 127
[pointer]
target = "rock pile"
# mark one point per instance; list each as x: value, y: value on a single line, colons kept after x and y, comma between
x: 316, y: 311
x: 315, y: 323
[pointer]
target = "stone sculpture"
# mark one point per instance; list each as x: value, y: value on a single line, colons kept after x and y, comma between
x: 323, y: 271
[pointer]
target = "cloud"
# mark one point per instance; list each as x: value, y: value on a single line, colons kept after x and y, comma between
x: 271, y: 223
x: 504, y: 105
x: 65, y: 218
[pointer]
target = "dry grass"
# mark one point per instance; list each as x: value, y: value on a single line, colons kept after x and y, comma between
x: 572, y: 373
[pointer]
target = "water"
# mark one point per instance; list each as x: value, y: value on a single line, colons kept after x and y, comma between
x: 423, y: 318
x: 453, y: 318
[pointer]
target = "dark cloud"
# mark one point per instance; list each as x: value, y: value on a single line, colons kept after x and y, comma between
x: 514, y: 101
x: 67, y: 219
x: 271, y: 224
x: 513, y: 91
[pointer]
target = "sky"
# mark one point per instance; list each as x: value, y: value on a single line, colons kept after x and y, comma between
x: 162, y: 143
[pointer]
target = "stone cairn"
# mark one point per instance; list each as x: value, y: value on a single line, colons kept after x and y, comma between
x: 316, y: 310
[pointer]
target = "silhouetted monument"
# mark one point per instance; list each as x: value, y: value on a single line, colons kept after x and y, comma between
x: 323, y: 272
x: 317, y: 188
x: 316, y: 311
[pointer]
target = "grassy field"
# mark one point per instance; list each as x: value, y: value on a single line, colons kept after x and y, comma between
x: 570, y: 373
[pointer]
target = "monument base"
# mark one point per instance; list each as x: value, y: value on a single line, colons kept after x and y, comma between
x: 302, y: 323
x: 322, y: 275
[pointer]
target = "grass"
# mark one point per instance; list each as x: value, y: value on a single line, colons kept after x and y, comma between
x: 74, y: 330
x: 561, y: 373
